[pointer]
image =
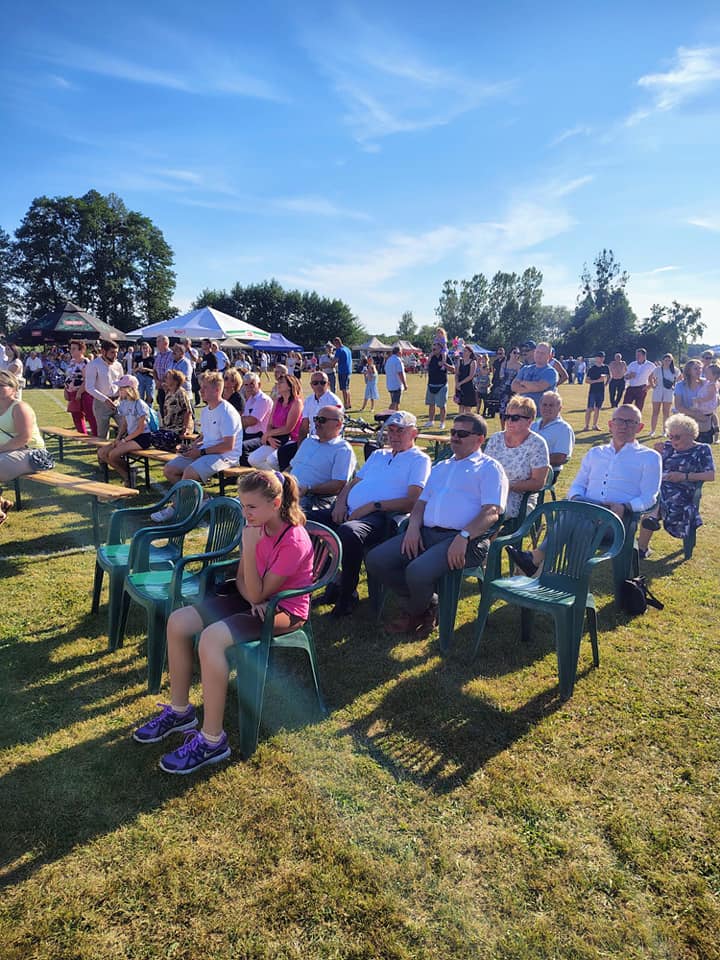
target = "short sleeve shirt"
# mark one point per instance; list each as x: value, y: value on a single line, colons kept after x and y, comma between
x: 223, y: 421
x: 535, y: 374
x: 518, y: 463
x: 457, y: 490
x: 387, y: 477
x: 344, y: 360
x: 289, y: 555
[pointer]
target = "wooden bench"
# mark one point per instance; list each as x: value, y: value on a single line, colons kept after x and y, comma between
x: 93, y: 488
x: 64, y: 434
x: 225, y: 477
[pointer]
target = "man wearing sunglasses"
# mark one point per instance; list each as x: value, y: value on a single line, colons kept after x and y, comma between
x: 448, y: 526
x: 324, y: 462
x: 321, y: 396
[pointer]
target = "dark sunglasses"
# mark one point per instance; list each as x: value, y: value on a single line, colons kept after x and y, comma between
x: 462, y: 434
x: 322, y: 420
x: 514, y: 351
x: 318, y: 383
x: 517, y: 416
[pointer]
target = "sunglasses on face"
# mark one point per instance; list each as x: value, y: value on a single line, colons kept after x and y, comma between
x: 626, y: 422
x: 317, y: 383
x: 322, y: 420
x: 462, y: 434
x: 514, y: 351
x: 517, y: 416
x: 674, y: 436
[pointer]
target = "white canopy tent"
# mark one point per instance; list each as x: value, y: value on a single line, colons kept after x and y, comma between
x: 205, y: 322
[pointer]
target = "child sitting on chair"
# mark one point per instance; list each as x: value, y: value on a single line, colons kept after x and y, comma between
x: 277, y: 554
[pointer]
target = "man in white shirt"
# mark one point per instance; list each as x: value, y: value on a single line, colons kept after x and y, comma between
x: 622, y: 475
x: 101, y: 377
x: 220, y: 356
x: 395, y: 379
x: 463, y: 497
x: 321, y: 396
x: 219, y: 444
x: 637, y: 376
x: 556, y: 432
x: 258, y: 407
x: 325, y: 462
x: 388, y: 483
x: 33, y: 369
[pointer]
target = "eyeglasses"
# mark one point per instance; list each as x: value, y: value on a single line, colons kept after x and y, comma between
x: 632, y: 422
x: 463, y: 434
x: 514, y: 351
x: 322, y: 420
x: 318, y: 383
x: 517, y: 416
x: 674, y: 436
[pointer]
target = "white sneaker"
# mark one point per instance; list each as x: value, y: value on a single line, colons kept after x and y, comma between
x: 441, y: 425
x: 427, y: 424
x: 652, y: 434
x: 162, y: 516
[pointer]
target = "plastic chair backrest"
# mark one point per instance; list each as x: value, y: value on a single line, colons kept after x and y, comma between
x: 187, y: 496
x: 575, y: 533
x: 326, y: 553
x: 224, y: 518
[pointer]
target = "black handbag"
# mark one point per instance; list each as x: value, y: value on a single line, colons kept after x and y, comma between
x: 636, y: 597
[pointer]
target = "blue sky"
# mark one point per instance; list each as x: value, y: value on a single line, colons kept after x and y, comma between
x: 372, y: 151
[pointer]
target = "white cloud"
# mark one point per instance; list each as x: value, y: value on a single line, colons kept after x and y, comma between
x: 386, y: 86
x: 706, y: 223
x: 570, y: 186
x: 580, y: 130
x: 318, y: 206
x: 199, y: 74
x: 60, y: 82
x: 655, y: 271
x: 696, y: 71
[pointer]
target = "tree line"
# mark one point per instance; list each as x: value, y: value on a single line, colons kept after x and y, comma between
x: 508, y: 309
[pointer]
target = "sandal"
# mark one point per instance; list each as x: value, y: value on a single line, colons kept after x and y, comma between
x: 650, y: 523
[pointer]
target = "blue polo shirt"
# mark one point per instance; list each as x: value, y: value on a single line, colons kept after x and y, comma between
x: 533, y: 373
x: 558, y: 435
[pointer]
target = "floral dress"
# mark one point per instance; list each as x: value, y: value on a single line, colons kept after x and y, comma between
x: 677, y: 507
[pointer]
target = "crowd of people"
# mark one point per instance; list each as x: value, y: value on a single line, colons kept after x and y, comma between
x: 301, y: 466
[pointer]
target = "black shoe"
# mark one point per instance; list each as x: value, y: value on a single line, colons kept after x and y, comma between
x: 650, y: 523
x: 523, y: 561
x: 344, y: 607
x: 329, y: 595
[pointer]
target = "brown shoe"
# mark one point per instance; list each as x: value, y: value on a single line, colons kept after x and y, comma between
x: 428, y: 622
x: 401, y: 624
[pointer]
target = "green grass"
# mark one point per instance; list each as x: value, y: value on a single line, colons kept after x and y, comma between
x: 444, y: 809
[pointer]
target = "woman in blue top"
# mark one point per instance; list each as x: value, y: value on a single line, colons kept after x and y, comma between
x: 133, y: 432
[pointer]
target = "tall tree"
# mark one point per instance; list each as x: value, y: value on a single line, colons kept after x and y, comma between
x: 7, y: 286
x: 448, y: 311
x: 603, y: 317
x: 94, y: 251
x: 671, y: 329
x: 407, y: 328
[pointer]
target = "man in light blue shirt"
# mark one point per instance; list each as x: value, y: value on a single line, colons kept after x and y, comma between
x: 535, y: 378
x: 324, y: 462
x: 557, y: 433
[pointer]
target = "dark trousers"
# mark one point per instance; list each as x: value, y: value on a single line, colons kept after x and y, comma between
x: 615, y: 391
x: 285, y: 454
x: 415, y: 580
x: 356, y: 536
x: 636, y: 395
x: 161, y: 401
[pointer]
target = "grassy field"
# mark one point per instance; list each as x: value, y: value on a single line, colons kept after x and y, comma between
x: 444, y: 809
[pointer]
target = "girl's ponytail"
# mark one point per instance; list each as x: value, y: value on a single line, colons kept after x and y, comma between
x: 290, y: 505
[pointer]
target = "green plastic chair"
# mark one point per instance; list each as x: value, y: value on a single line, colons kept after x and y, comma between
x: 162, y: 591
x: 575, y: 533
x: 627, y: 563
x: 113, y: 557
x: 251, y: 657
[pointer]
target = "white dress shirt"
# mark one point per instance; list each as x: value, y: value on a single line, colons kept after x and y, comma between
x: 642, y: 373
x: 101, y: 378
x: 312, y: 405
x: 631, y: 475
x: 457, y: 490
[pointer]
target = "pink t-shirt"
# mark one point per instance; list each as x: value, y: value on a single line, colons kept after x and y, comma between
x: 288, y: 554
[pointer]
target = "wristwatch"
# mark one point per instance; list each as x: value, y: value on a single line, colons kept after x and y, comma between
x: 377, y: 505
x: 465, y: 534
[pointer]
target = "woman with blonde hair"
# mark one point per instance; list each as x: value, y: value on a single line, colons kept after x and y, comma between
x: 20, y: 435
x: 133, y: 431
x: 523, y: 454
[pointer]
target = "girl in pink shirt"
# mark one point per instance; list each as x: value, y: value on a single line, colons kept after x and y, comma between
x: 277, y: 555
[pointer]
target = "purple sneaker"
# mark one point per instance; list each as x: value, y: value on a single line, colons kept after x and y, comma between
x: 165, y: 723
x: 195, y: 753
